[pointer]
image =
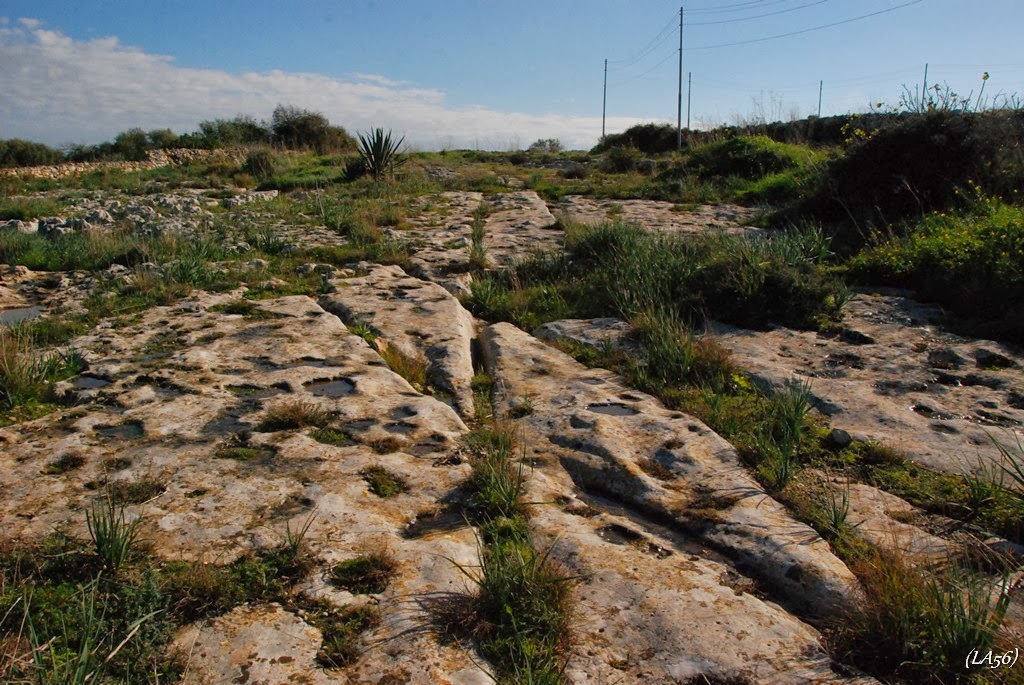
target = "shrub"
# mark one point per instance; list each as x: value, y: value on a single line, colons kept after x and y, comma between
x: 916, y: 166
x: 749, y: 157
x: 131, y: 145
x: 16, y: 152
x: 259, y: 164
x: 551, y: 145
x: 297, y: 129
x: 242, y: 130
x: 648, y: 138
x: 972, y: 263
x: 621, y: 160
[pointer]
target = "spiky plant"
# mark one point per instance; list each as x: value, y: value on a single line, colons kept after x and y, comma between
x: 379, y: 151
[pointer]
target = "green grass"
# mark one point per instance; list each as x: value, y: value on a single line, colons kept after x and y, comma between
x: 112, y: 535
x: 368, y: 574
x: 382, y: 482
x: 27, y: 371
x: 519, y: 613
x: 27, y: 208
x: 970, y: 261
x: 928, y: 620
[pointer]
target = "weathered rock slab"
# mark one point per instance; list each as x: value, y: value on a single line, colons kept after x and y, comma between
x: 894, y: 376
x: 610, y: 439
x: 661, y: 217
x: 418, y: 318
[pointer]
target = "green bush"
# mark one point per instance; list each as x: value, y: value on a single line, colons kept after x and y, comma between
x: 259, y: 164
x: 971, y: 263
x: 916, y: 166
x: 621, y: 160
x: 750, y: 157
x: 16, y: 152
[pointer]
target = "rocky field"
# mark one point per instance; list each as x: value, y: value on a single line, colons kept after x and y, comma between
x: 343, y: 419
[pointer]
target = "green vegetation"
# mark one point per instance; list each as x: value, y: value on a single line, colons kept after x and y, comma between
x: 519, y: 613
x: 382, y: 482
x: 971, y: 262
x: 379, y: 152
x: 112, y: 537
x: 27, y: 373
x: 615, y: 269
x: 367, y: 574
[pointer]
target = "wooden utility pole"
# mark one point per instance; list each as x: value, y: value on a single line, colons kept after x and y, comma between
x: 924, y: 89
x: 821, y: 84
x: 679, y: 107
x: 689, y: 85
x: 604, y: 100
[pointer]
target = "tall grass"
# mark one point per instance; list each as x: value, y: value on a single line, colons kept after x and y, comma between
x: 27, y: 371
x: 624, y: 270
x: 112, y: 536
x: 929, y: 621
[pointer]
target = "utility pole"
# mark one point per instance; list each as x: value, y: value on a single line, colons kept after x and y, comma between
x: 821, y: 84
x: 604, y: 100
x: 679, y: 107
x: 924, y: 89
x: 689, y: 84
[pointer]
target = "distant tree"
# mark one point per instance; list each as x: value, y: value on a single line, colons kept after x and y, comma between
x: 17, y: 152
x: 242, y: 130
x: 131, y: 144
x: 162, y: 138
x: 296, y: 128
x: 553, y: 145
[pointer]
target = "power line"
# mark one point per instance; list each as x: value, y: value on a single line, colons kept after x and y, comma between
x: 630, y: 79
x: 757, y: 16
x: 739, y: 7
x: 658, y: 39
x: 808, y: 30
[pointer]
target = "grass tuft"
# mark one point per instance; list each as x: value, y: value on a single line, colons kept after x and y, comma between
x: 112, y: 536
x: 368, y: 574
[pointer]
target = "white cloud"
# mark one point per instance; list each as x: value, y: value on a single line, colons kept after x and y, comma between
x: 27, y: 22
x: 58, y: 89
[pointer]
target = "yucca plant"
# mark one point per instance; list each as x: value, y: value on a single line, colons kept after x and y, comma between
x: 379, y: 151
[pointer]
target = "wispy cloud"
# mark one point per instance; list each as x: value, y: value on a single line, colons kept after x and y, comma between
x: 58, y: 89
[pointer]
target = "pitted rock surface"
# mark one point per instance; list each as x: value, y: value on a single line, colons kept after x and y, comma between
x: 419, y: 318
x: 586, y: 423
x: 516, y: 224
x: 892, y: 375
x: 661, y: 217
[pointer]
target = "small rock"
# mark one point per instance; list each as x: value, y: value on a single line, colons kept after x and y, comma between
x: 854, y: 337
x: 256, y: 263
x: 839, y: 439
x: 944, y: 358
x: 99, y: 216
x: 987, y: 359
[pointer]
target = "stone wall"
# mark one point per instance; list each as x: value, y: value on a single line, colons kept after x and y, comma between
x: 156, y: 158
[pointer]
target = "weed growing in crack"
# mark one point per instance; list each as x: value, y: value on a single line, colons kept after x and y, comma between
x: 294, y: 414
x: 382, y: 482
x: 112, y: 536
x: 412, y: 368
x: 368, y: 574
x: 519, y: 613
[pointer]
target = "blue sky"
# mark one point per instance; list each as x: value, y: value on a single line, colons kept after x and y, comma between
x: 483, y: 73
